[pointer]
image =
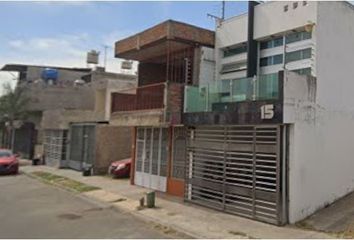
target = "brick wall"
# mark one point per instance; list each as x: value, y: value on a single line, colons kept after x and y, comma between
x: 165, y: 30
x: 192, y: 33
x: 175, y: 103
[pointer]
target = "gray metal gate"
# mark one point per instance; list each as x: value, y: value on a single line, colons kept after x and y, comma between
x: 236, y: 169
x: 54, y: 147
x: 82, y: 143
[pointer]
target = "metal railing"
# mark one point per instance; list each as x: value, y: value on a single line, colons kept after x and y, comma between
x: 202, y: 98
x: 141, y: 98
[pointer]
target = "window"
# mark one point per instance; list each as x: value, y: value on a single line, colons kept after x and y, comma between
x: 233, y: 67
x: 224, y: 87
x: 304, y: 3
x: 231, y: 51
x: 303, y: 71
x: 298, y: 36
x: 265, y: 61
x: 295, y: 4
x: 298, y: 55
x: 286, y: 7
x: 276, y: 42
x: 271, y: 60
x: 278, y: 59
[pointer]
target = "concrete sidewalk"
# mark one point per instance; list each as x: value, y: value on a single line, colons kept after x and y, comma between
x: 172, y: 213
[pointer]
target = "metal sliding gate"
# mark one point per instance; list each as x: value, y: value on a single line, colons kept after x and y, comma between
x: 54, y: 146
x: 236, y: 169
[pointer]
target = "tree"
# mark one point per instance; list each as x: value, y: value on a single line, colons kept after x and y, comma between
x: 13, y: 106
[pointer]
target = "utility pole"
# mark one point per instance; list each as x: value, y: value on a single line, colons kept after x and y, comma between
x: 223, y: 10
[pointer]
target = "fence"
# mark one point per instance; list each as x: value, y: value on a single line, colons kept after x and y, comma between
x: 202, y: 98
x: 145, y: 97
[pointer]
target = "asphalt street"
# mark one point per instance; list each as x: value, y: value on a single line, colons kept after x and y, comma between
x: 32, y: 209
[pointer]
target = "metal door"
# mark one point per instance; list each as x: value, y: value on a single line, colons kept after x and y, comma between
x: 82, y: 149
x: 236, y: 169
x: 54, y: 147
x: 179, y: 153
x: 151, y: 158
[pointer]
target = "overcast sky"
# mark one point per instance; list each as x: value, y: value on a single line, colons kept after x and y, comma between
x: 60, y: 33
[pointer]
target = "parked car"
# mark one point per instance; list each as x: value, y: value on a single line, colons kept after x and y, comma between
x: 8, y: 162
x: 120, y: 168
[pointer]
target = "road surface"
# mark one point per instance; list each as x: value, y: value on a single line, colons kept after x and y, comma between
x: 32, y: 209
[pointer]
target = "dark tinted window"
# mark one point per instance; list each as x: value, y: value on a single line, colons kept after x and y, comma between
x: 298, y: 55
x: 303, y: 71
x: 271, y: 60
x: 298, y: 36
x: 235, y: 50
x: 278, y: 59
x: 276, y: 42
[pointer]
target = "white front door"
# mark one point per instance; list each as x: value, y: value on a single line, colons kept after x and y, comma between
x: 151, y: 158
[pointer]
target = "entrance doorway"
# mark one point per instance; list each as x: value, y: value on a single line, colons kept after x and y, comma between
x: 151, y: 158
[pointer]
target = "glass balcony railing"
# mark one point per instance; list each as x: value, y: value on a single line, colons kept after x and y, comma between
x: 203, y: 98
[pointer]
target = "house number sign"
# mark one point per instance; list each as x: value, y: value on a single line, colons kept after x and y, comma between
x: 267, y: 111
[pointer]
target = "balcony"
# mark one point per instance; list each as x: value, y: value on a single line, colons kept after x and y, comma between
x: 142, y: 98
x: 236, y: 101
x: 149, y: 105
x: 216, y: 95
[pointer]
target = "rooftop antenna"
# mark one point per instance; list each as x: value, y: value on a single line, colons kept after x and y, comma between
x: 217, y: 19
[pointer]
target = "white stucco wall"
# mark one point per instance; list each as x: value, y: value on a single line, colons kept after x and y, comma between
x: 270, y: 17
x: 321, y: 143
x: 230, y: 32
x: 206, y: 66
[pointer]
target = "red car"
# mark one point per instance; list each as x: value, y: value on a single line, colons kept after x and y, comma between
x: 8, y: 162
x: 120, y: 168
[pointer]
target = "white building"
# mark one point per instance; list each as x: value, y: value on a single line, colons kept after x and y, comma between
x: 278, y: 146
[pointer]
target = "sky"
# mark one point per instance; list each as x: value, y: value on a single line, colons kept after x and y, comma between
x: 60, y: 33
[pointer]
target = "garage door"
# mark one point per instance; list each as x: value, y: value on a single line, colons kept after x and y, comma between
x: 236, y: 169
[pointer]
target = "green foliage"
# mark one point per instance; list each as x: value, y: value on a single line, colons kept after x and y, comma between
x: 13, y: 104
x: 64, y: 182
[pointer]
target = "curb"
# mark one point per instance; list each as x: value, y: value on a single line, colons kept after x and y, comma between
x: 115, y: 205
